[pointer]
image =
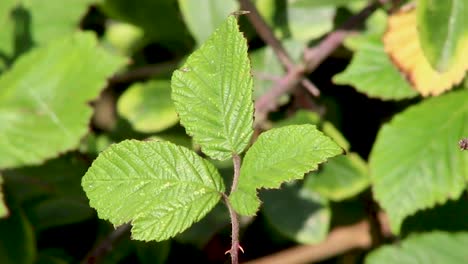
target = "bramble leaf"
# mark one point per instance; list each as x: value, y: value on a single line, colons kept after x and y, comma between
x: 214, y: 13
x: 44, y: 96
x: 415, y: 162
x: 212, y: 92
x: 148, y: 106
x: 371, y: 72
x: 280, y: 155
x: 30, y: 23
x: 435, y: 247
x: 402, y: 44
x: 161, y: 188
x: 443, y: 32
x: 340, y: 178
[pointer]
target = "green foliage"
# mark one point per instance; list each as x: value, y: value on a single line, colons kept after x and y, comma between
x: 56, y: 59
x: 435, y: 247
x: 31, y: 22
x: 158, y: 19
x: 270, y: 161
x: 214, y: 13
x: 161, y: 196
x: 212, y: 93
x: 415, y: 168
x: 371, y: 72
x: 308, y: 21
x: 442, y: 30
x: 45, y: 92
x: 340, y: 178
x: 148, y: 106
x: 309, y: 224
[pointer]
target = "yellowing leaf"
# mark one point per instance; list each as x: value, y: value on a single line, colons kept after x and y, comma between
x: 402, y: 44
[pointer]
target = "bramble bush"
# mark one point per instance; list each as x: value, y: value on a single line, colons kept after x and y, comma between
x: 174, y: 131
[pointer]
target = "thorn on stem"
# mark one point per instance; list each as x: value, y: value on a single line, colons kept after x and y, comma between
x: 239, y: 247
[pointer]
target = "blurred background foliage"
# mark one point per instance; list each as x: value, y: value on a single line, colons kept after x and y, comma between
x: 136, y: 45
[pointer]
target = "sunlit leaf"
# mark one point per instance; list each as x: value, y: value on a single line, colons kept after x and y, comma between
x: 402, y: 44
x: 161, y: 188
x: 43, y: 98
x: 280, y: 155
x: 29, y: 23
x: 148, y: 106
x: 372, y: 72
x: 435, y: 247
x: 308, y: 20
x: 340, y: 178
x: 160, y: 20
x: 415, y: 162
x: 443, y: 32
x: 212, y: 92
x: 214, y: 13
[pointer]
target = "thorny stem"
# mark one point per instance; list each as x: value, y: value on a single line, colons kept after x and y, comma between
x: 235, y: 246
x: 313, y: 56
x: 236, y: 159
x: 266, y: 33
x: 234, y: 251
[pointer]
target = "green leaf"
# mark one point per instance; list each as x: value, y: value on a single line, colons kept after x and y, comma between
x: 435, y: 247
x: 43, y: 98
x: 214, y: 13
x: 297, y: 213
x: 161, y: 188
x: 148, y: 106
x: 29, y: 23
x: 213, y: 93
x: 17, y: 242
x: 371, y: 72
x: 442, y: 30
x: 415, y: 162
x: 307, y: 20
x: 280, y: 155
x: 302, y: 117
x: 54, y: 19
x: 7, y: 47
x: 340, y: 178
x: 124, y: 38
x: 3, y: 208
x: 160, y: 20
